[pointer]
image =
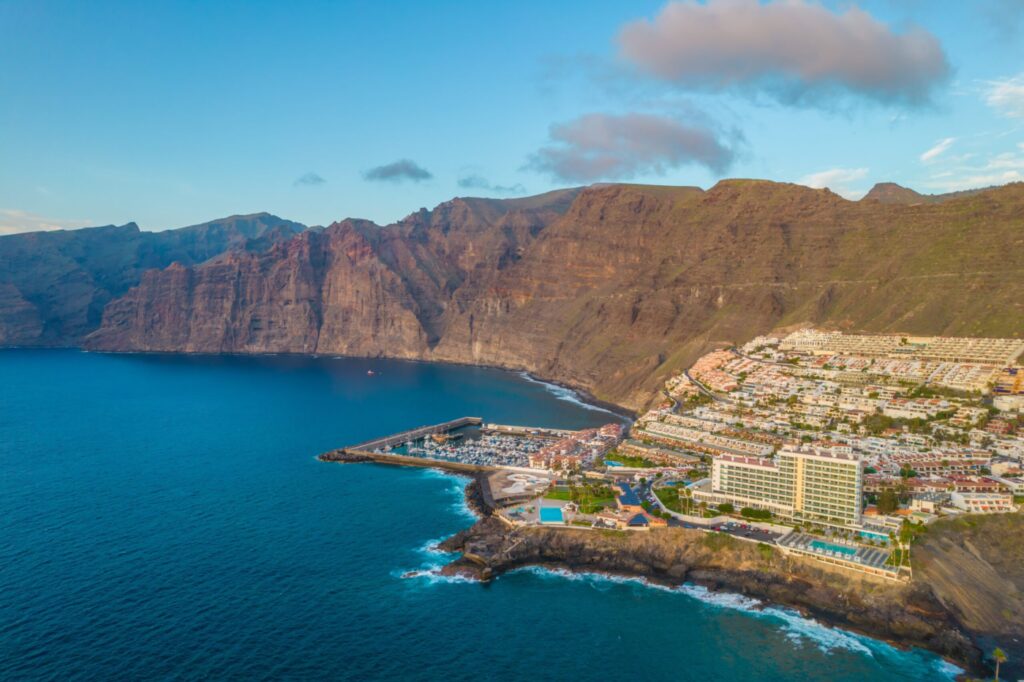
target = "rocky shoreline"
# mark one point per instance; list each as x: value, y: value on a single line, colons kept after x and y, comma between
x: 905, y: 615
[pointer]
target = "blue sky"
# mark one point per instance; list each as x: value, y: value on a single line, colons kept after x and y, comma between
x: 173, y: 113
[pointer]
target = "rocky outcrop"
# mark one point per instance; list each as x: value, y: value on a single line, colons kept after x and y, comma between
x: 609, y: 289
x: 975, y: 566
x: 909, y: 615
x: 891, y: 193
x: 55, y: 285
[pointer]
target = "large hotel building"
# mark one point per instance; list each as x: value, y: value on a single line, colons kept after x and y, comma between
x: 801, y: 483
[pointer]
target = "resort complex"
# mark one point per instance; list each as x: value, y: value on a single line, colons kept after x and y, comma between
x: 833, y: 446
x: 800, y: 482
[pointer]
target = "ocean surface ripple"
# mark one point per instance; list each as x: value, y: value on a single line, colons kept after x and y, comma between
x: 164, y: 517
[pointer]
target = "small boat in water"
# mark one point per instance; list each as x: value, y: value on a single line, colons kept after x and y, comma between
x: 370, y: 373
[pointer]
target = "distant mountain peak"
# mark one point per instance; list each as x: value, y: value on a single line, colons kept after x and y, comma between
x: 891, y: 193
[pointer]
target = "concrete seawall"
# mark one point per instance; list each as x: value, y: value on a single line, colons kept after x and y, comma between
x: 346, y: 455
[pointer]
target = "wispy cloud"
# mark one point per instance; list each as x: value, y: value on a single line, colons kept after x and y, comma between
x: 842, y: 181
x: 997, y: 169
x: 940, y: 148
x: 614, y: 147
x: 474, y: 181
x: 398, y: 171
x: 1007, y: 96
x: 310, y: 178
x: 13, y: 221
x: 796, y: 51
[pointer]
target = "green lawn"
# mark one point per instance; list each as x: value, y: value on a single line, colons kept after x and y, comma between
x: 590, y: 497
x: 630, y: 461
x: 670, y: 498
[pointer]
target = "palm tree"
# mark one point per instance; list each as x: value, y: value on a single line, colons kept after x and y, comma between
x: 999, y: 656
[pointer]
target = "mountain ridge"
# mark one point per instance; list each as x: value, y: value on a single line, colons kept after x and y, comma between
x: 609, y: 292
x: 608, y: 288
x: 55, y: 284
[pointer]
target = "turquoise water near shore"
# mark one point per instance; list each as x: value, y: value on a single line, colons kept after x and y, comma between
x: 165, y: 517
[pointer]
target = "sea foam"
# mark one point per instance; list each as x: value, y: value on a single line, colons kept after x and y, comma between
x: 457, y: 490
x: 566, y: 394
x: 798, y: 629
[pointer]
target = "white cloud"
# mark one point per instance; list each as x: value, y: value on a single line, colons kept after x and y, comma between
x: 938, y: 149
x: 615, y: 147
x: 839, y: 180
x: 13, y: 220
x: 998, y: 169
x: 796, y: 50
x: 1007, y: 96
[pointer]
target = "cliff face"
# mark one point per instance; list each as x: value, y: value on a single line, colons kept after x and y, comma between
x: 634, y: 282
x: 975, y: 566
x: 609, y: 288
x: 54, y: 285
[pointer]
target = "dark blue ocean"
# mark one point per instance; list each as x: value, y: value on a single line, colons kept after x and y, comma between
x: 164, y: 517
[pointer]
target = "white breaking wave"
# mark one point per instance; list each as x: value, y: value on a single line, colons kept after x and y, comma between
x: 566, y: 394
x: 594, y: 579
x: 725, y: 600
x: 950, y: 670
x: 458, y: 490
x: 433, y: 576
x: 431, y: 548
x: 797, y: 628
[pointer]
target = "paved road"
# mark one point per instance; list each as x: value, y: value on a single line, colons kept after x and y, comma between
x: 705, y: 391
x: 745, y: 530
x: 740, y: 529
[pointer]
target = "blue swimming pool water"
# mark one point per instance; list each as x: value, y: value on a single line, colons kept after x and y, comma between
x: 551, y: 515
x: 829, y: 547
x: 165, y: 517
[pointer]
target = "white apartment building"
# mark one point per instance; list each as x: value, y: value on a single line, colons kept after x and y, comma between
x: 800, y: 482
x: 983, y: 503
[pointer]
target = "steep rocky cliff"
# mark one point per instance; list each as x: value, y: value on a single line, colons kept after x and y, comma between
x: 975, y: 567
x: 54, y: 285
x: 909, y: 614
x: 609, y: 288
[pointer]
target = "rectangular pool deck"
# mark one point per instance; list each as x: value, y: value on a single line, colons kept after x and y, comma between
x: 551, y: 515
x: 861, y: 558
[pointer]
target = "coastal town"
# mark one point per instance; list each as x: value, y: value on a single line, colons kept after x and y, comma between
x: 837, y: 447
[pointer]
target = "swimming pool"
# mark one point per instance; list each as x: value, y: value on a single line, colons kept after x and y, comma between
x: 612, y: 463
x: 829, y: 547
x: 551, y: 515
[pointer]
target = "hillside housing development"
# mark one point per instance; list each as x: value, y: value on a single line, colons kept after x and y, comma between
x: 837, y: 447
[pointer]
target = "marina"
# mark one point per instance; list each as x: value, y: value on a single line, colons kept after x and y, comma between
x: 487, y: 450
x: 465, y: 441
x: 387, y: 442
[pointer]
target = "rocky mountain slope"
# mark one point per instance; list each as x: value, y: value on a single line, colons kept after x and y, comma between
x: 608, y: 288
x: 54, y: 285
x: 891, y: 193
x: 975, y: 567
